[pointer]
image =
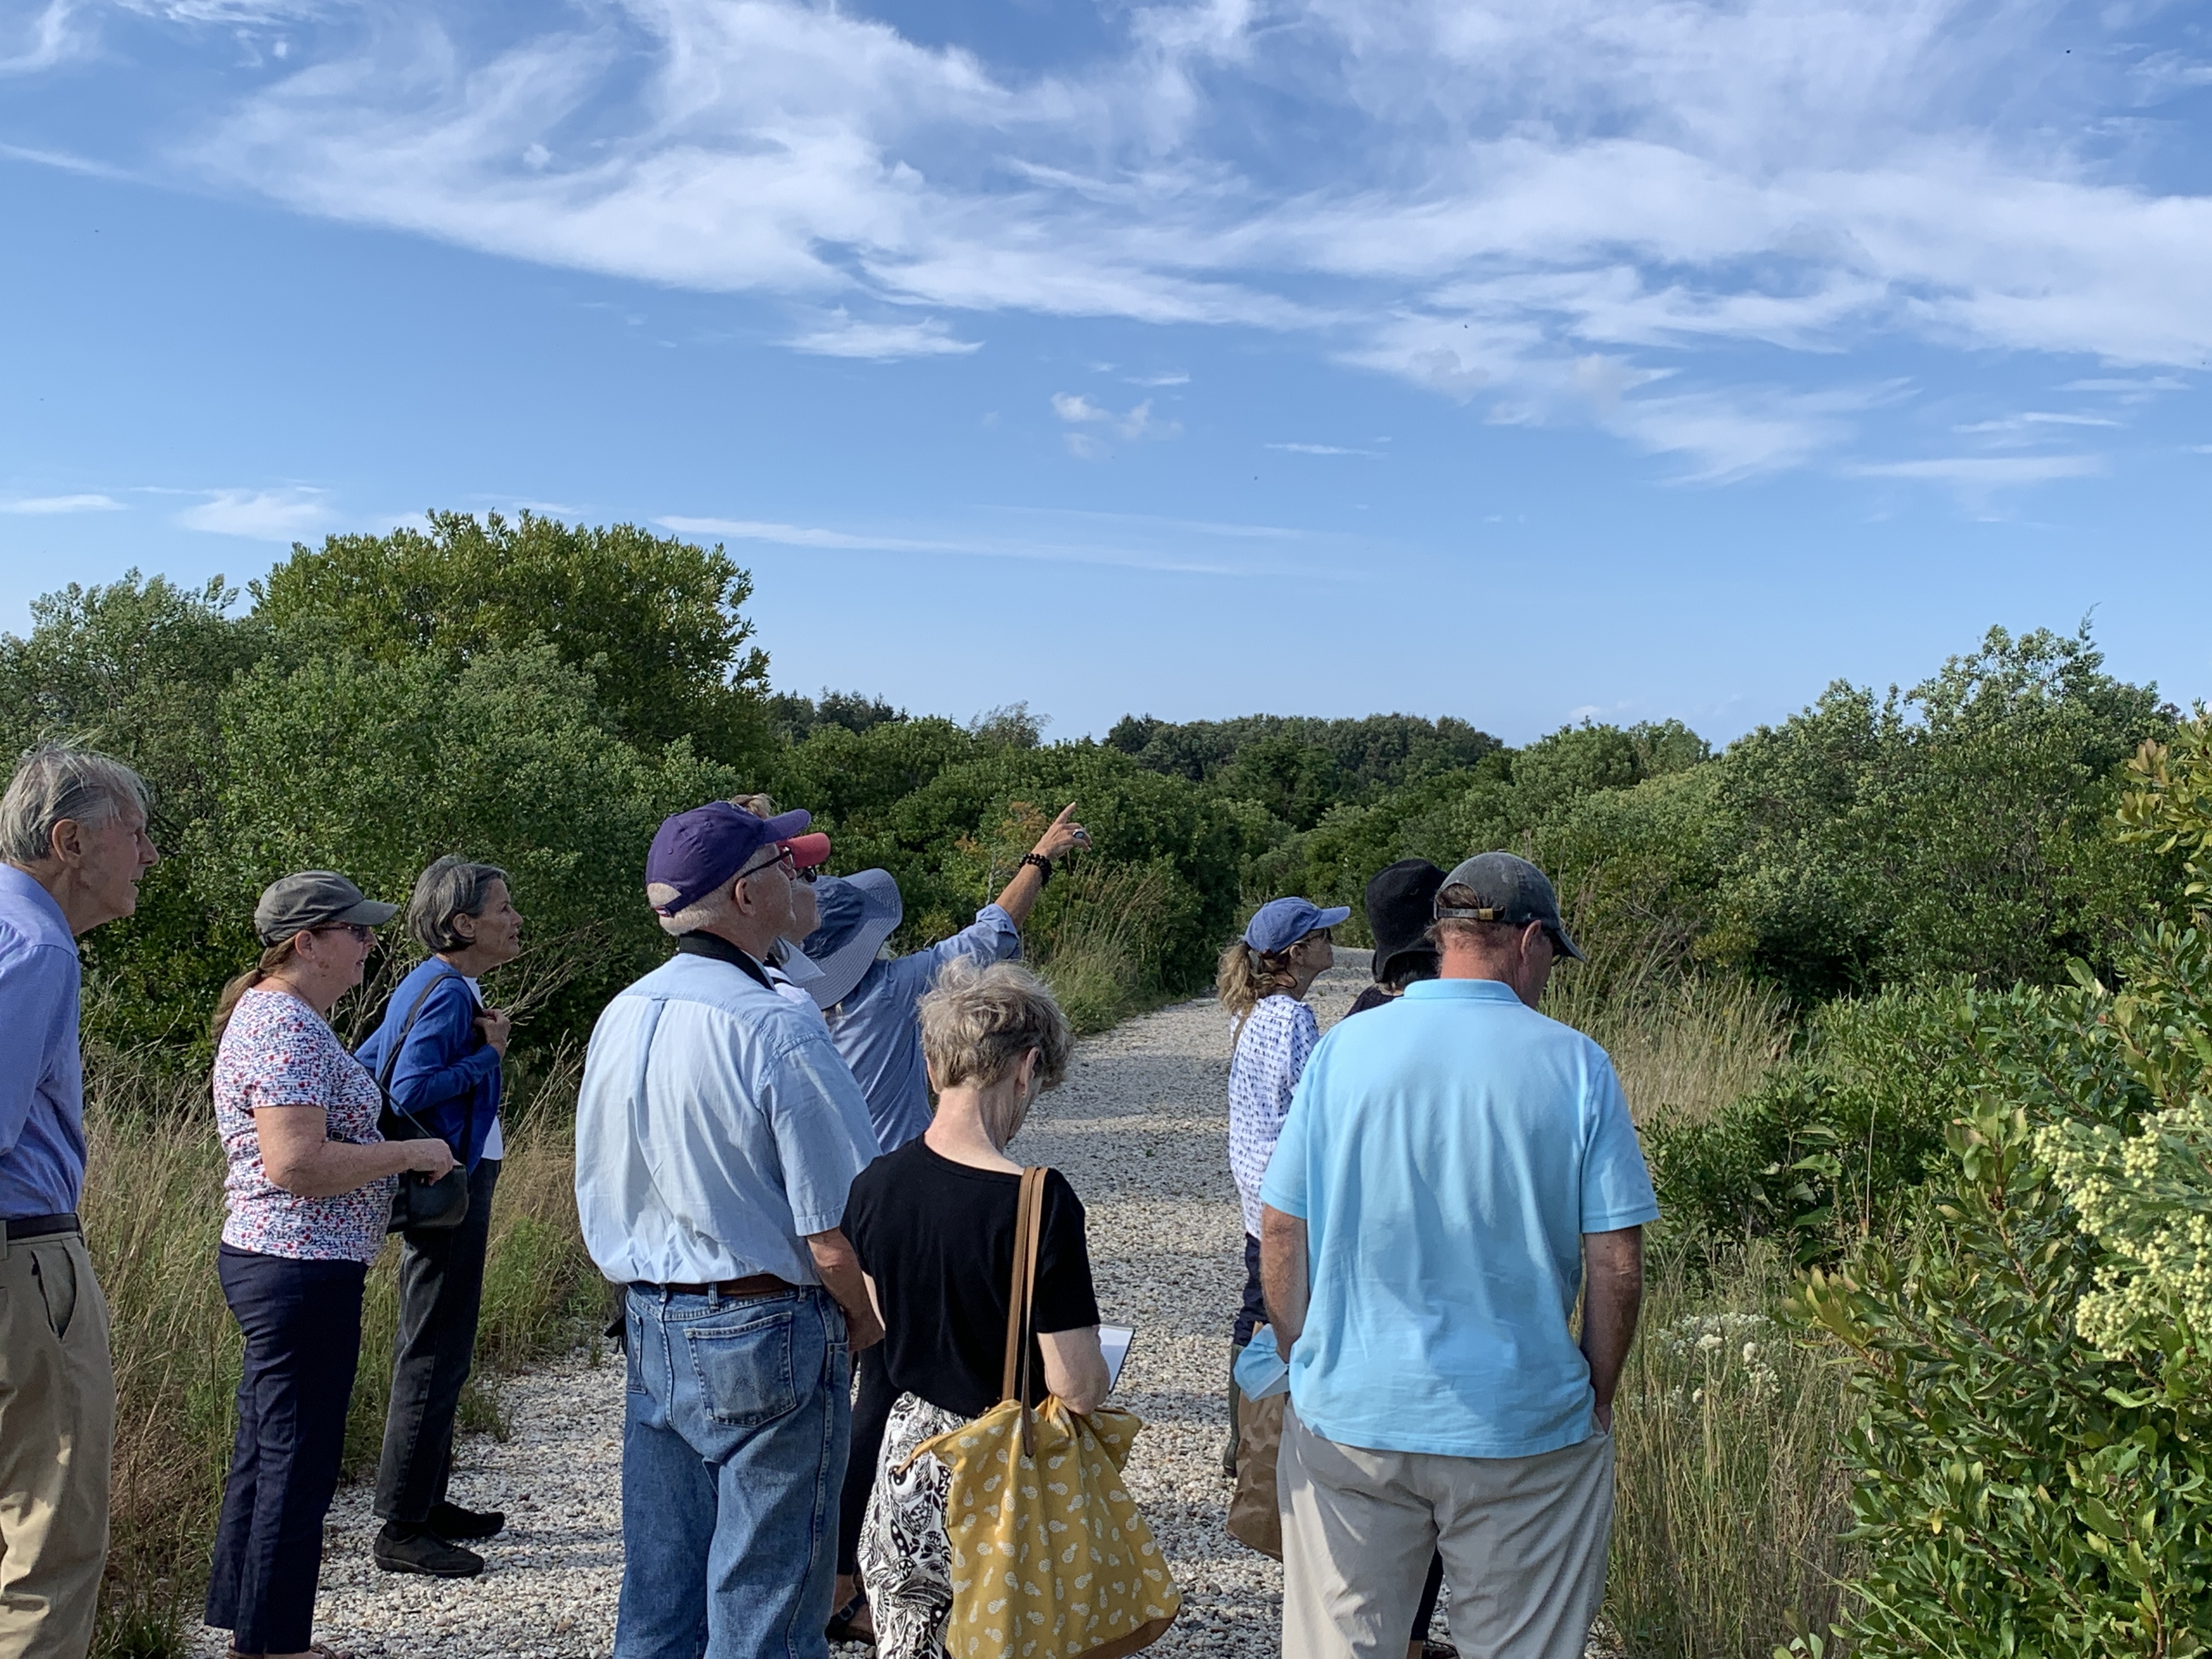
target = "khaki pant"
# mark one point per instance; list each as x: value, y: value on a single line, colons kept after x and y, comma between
x: 56, y: 1436
x: 1523, y: 1541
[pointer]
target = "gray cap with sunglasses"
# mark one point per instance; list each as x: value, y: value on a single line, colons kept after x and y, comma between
x: 313, y: 899
x: 1507, y: 889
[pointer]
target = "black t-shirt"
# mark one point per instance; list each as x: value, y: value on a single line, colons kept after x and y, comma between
x: 937, y: 1238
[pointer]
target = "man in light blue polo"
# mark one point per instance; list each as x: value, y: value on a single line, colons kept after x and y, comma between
x: 1454, y: 1169
x: 73, y: 846
x: 717, y: 1135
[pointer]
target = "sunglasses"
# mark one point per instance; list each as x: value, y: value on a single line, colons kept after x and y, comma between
x: 781, y: 855
x: 361, y: 931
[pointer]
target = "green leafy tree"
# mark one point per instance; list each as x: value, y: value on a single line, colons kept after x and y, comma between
x: 375, y: 768
x: 655, y: 620
x: 2030, y: 1472
x: 137, y: 668
x: 1965, y: 826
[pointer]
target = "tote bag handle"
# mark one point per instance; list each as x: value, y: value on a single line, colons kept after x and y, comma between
x: 1021, y: 1304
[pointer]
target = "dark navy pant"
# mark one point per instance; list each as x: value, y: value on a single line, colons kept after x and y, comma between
x: 302, y: 1325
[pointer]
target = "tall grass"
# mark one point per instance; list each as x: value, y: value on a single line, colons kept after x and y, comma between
x: 1685, y: 1044
x: 153, y: 1210
x: 1729, y: 1507
x: 1098, y: 947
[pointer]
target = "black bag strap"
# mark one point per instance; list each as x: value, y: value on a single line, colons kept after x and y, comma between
x: 391, y: 1053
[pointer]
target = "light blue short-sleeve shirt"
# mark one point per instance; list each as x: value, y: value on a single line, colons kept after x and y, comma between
x: 716, y: 1129
x: 1447, y: 1153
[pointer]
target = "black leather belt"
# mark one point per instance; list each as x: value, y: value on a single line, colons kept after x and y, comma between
x: 735, y: 1290
x: 42, y: 1226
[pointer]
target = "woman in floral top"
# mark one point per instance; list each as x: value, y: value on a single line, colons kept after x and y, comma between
x: 309, y: 1192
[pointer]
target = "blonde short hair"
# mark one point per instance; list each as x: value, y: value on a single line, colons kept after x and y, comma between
x: 977, y: 1023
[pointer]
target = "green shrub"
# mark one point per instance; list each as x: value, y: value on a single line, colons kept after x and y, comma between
x: 2032, y: 1467
x: 2014, y: 1491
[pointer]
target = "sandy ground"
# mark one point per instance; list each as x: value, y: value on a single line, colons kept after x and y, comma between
x: 1139, y: 1127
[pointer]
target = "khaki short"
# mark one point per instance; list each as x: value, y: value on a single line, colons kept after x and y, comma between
x: 57, y: 1438
x: 1523, y: 1539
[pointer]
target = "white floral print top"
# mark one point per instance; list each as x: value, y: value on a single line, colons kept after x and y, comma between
x: 277, y: 1051
x: 1271, y: 1048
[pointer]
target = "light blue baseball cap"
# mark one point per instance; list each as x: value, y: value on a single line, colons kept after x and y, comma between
x: 1280, y: 923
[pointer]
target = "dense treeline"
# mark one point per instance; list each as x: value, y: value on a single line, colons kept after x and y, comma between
x: 540, y: 694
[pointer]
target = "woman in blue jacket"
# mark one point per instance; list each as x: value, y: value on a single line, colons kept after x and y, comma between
x: 439, y: 1049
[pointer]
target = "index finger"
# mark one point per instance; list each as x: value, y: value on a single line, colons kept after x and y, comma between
x: 1066, y: 813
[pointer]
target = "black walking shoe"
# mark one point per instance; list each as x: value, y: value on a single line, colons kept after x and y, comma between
x: 424, y: 1552
x: 450, y: 1521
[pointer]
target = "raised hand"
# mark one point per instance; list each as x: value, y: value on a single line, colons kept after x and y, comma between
x: 1065, y: 836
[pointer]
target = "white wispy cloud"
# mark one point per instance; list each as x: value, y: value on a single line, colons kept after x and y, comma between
x: 1580, y: 212
x: 2141, y: 383
x: 46, y: 38
x: 1079, y: 411
x: 1326, y: 449
x: 1052, y: 549
x: 1986, y: 472
x: 268, y: 515
x: 46, y: 504
x: 840, y: 335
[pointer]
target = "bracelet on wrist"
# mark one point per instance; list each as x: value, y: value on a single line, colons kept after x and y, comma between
x: 1043, y: 863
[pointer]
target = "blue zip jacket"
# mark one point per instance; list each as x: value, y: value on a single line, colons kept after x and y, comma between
x: 447, y: 1075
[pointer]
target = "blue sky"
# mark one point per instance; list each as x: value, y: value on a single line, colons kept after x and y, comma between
x: 1523, y: 362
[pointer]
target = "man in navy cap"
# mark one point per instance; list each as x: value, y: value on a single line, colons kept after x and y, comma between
x: 717, y: 1134
x: 1457, y: 1171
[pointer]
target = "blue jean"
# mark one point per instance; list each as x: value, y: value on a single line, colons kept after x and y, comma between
x: 734, y: 1437
x: 303, y: 1325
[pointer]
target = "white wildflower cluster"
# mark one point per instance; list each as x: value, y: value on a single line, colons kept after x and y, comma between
x: 1727, y: 1353
x: 2145, y: 1198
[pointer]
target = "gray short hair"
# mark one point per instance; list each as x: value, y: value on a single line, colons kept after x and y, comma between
x: 702, y: 914
x: 978, y: 1022
x: 58, y: 781
x: 450, y: 887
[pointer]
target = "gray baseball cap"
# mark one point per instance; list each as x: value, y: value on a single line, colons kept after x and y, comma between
x: 311, y: 899
x: 1508, y: 889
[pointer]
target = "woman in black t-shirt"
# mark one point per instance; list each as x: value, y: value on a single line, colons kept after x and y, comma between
x: 934, y: 1225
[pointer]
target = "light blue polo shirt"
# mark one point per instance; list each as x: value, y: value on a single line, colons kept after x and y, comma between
x: 1447, y: 1153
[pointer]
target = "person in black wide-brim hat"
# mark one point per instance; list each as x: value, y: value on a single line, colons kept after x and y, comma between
x: 1401, y: 902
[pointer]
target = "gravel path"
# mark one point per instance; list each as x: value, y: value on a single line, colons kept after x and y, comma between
x: 1139, y: 1127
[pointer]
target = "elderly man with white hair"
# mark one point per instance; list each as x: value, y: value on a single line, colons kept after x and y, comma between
x: 717, y: 1136
x: 74, y: 842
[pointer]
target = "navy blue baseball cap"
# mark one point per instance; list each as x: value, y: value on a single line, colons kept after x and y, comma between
x: 1280, y: 923
x: 697, y: 851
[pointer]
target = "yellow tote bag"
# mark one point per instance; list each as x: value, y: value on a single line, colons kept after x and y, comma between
x: 1051, y: 1558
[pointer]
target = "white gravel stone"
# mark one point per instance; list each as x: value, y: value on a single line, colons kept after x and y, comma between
x: 1140, y: 1129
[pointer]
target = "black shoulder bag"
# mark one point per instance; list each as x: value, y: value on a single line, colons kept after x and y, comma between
x: 419, y: 1201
